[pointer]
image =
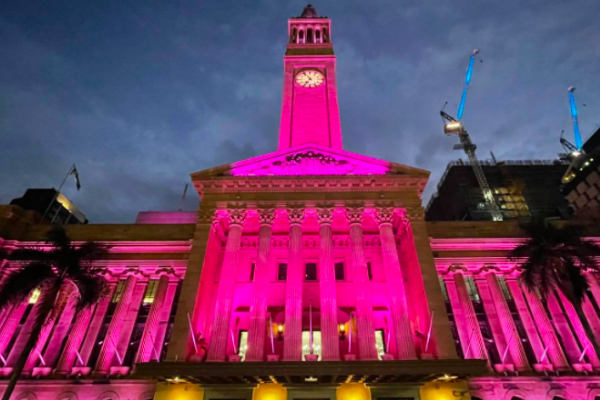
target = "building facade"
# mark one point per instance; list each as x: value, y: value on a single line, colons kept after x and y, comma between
x: 307, y: 273
x: 522, y: 189
x: 51, y: 205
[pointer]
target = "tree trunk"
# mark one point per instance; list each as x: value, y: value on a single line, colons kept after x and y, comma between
x: 586, y: 326
x: 44, y: 312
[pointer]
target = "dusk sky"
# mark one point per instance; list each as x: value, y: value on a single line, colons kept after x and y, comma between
x: 140, y: 94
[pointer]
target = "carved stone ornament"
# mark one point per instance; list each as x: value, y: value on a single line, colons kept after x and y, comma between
x: 384, y: 215
x: 355, y: 214
x: 311, y: 163
x: 266, y: 216
x: 237, y: 216
x: 296, y: 215
x: 325, y: 215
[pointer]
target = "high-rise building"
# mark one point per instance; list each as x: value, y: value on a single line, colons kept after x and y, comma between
x: 50, y: 205
x: 306, y: 273
x: 581, y: 183
x: 522, y: 189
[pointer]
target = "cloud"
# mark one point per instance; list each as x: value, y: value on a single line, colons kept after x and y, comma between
x: 141, y: 96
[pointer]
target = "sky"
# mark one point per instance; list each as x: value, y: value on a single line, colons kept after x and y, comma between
x: 139, y: 94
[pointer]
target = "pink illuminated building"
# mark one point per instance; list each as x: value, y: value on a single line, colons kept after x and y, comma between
x: 306, y: 273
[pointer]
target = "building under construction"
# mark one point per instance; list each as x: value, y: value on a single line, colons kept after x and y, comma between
x: 521, y: 188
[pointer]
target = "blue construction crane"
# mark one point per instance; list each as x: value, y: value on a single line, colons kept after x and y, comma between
x: 463, y: 99
x: 453, y: 126
x: 576, y: 132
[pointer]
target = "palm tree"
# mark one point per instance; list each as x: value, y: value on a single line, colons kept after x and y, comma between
x: 556, y: 259
x: 60, y: 271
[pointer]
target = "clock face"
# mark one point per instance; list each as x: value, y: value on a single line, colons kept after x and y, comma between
x: 310, y: 78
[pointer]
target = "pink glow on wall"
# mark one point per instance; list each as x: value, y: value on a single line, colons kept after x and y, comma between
x: 310, y: 160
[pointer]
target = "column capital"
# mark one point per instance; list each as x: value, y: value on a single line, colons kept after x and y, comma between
x: 355, y: 215
x: 266, y: 216
x: 325, y: 215
x: 489, y: 270
x: 296, y: 215
x: 384, y: 215
x: 165, y: 271
x: 457, y: 269
x: 237, y: 216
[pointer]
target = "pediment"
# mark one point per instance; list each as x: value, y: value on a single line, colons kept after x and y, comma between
x: 311, y: 160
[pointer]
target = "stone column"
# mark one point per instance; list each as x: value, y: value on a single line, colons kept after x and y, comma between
x: 471, y: 340
x: 111, y: 340
x: 220, y: 329
x: 330, y: 346
x: 89, y: 342
x: 528, y: 323
x: 292, y: 334
x: 9, y: 326
x: 513, y: 341
x: 547, y: 332
x: 364, y: 308
x: 258, y: 309
x: 148, y: 346
x: 580, y: 332
x: 405, y: 345
x: 69, y: 353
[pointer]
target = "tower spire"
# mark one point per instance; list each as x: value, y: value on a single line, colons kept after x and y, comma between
x: 310, y: 111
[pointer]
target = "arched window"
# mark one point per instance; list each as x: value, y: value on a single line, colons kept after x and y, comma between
x: 476, y: 398
x: 294, y: 34
x: 301, y: 36
x: 558, y: 398
x: 325, y: 35
x: 309, y: 36
x: 317, y: 36
x: 516, y: 398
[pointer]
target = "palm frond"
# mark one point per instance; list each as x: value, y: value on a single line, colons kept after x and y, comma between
x: 57, y: 236
x: 30, y: 253
x: 91, y: 287
x: 19, y: 284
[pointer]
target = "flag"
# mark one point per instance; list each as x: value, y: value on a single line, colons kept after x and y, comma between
x: 76, y: 174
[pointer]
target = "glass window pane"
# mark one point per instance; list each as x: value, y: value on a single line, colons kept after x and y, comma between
x: 252, y: 267
x: 339, y: 271
x: 243, y: 344
x: 311, y: 272
x: 282, y: 272
x: 316, y: 344
x: 380, y: 343
x: 369, y: 270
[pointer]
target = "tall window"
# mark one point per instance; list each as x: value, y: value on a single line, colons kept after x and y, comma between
x: 150, y: 291
x: 252, y: 268
x: 242, y: 344
x: 118, y: 292
x: 310, y: 272
x: 339, y: 271
x: 472, y: 288
x: 504, y: 288
x: 443, y: 287
x: 380, y: 342
x: 316, y: 344
x: 282, y: 272
x: 370, y: 271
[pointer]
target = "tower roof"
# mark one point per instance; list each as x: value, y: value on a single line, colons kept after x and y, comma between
x: 309, y: 12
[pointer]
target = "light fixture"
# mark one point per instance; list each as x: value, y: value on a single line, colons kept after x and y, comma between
x: 453, y: 128
x: 280, y: 332
x: 342, y: 329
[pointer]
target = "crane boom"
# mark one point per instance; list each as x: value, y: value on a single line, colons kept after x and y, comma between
x: 463, y: 98
x: 578, y: 141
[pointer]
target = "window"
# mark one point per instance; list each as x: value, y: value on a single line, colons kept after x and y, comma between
x: 339, y: 271
x: 380, y: 343
x: 242, y: 344
x: 150, y: 291
x: 310, y: 272
x: 252, y: 268
x: 316, y: 343
x: 443, y: 287
x: 472, y: 288
x: 35, y: 295
x: 282, y: 272
x: 118, y: 292
x: 504, y: 288
x: 369, y: 271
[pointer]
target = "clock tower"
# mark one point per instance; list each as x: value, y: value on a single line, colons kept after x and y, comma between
x: 310, y: 112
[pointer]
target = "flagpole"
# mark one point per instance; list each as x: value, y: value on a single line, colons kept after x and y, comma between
x: 57, y: 193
